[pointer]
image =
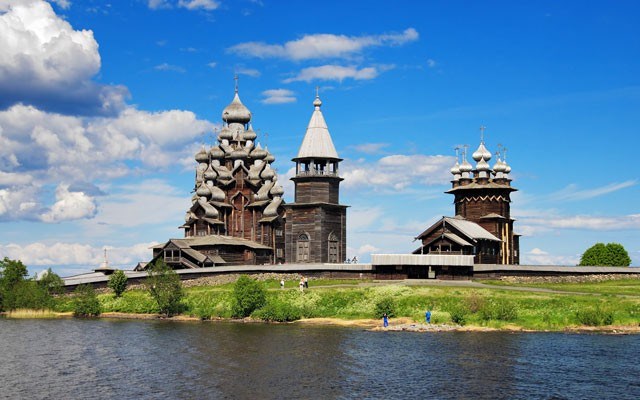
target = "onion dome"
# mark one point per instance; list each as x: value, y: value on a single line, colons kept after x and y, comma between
x: 481, y: 153
x: 238, y: 153
x: 499, y: 166
x: 482, y: 165
x: 236, y: 111
x: 225, y: 133
x: 250, y: 134
x: 210, y: 174
x: 203, y: 191
x: 277, y: 190
x: 269, y: 158
x: 217, y: 194
x: 455, y: 170
x: 465, y: 166
x: 202, y: 156
x: 258, y: 152
x: 216, y: 152
x: 507, y: 168
x: 267, y: 173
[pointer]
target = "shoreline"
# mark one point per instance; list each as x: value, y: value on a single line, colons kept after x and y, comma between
x: 401, y: 324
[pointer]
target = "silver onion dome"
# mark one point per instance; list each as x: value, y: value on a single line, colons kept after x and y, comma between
x: 236, y: 111
x: 481, y: 153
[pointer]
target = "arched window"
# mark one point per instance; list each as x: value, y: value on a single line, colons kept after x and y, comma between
x: 333, y: 248
x: 302, y: 254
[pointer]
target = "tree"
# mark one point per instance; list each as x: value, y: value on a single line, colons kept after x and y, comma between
x: 611, y: 254
x: 51, y: 282
x: 12, y: 274
x: 85, y: 302
x: 117, y: 282
x: 165, y: 287
x: 248, y: 296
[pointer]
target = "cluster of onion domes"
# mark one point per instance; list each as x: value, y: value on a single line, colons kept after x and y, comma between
x: 482, y: 170
x: 236, y: 149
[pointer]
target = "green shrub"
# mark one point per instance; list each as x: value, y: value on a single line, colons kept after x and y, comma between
x: 474, y: 302
x: 278, y: 311
x: 498, y: 309
x: 387, y: 306
x: 117, y: 282
x: 458, y: 314
x: 248, y: 296
x: 594, y: 316
x: 165, y: 288
x: 85, y: 302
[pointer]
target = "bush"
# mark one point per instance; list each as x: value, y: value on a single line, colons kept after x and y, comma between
x: 165, y: 288
x: 474, y: 302
x: 501, y: 310
x: 248, y: 296
x: 611, y: 254
x: 594, y: 317
x: 458, y: 314
x: 85, y: 302
x: 387, y: 306
x: 117, y: 283
x: 278, y: 311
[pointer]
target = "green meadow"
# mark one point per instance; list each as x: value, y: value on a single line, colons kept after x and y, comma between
x: 609, y: 303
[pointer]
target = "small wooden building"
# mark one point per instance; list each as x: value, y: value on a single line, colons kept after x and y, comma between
x: 209, y: 251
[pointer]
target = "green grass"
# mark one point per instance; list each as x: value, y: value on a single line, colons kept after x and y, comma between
x: 627, y: 287
x: 346, y: 299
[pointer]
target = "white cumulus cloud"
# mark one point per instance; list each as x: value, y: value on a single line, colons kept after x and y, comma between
x: 70, y: 206
x: 397, y: 172
x: 45, y: 62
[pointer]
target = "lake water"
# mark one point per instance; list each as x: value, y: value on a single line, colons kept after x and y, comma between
x: 123, y: 359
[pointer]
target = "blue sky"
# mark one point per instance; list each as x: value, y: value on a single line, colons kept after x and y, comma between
x: 102, y: 106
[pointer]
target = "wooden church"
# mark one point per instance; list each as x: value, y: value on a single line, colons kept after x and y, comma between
x: 237, y: 215
x: 482, y: 225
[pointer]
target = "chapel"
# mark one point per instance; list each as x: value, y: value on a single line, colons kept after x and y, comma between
x: 482, y: 225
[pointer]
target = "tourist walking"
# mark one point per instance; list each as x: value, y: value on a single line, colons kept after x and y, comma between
x: 385, y: 320
x: 281, y: 283
x: 306, y: 282
x: 427, y: 316
x: 301, y: 284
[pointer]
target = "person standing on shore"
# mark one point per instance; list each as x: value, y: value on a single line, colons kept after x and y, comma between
x: 427, y: 316
x: 385, y: 320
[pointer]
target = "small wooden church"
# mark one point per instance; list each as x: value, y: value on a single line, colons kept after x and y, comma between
x: 482, y: 225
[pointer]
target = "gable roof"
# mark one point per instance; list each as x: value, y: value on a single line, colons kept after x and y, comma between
x: 469, y: 229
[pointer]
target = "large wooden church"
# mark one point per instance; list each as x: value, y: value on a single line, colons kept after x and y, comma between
x: 237, y: 215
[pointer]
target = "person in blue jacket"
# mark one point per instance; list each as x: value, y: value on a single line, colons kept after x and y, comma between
x: 427, y: 316
x: 385, y: 320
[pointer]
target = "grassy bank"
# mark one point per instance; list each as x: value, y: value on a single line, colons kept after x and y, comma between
x: 598, y: 304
